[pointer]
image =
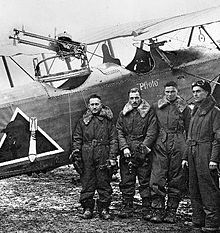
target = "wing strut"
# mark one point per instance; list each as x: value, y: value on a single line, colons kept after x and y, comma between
x: 21, y: 67
x: 7, y: 71
x: 210, y: 37
x: 111, y: 48
x: 142, y: 44
x: 190, y: 37
x: 164, y: 57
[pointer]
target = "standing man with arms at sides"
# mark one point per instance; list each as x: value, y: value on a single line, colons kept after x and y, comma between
x: 137, y: 131
x: 167, y: 176
x: 203, y: 156
x: 94, y: 156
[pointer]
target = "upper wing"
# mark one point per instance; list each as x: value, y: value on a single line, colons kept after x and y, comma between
x: 147, y: 29
x: 203, y: 17
x: 112, y: 32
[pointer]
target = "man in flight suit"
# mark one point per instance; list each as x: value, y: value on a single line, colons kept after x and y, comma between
x: 203, y: 156
x: 167, y: 177
x: 94, y: 153
x: 137, y: 131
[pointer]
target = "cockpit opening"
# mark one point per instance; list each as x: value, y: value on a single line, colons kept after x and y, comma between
x: 142, y: 62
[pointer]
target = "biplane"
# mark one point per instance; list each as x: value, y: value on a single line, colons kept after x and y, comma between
x: 37, y: 119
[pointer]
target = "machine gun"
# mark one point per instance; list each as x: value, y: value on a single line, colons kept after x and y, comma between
x: 64, y: 47
x: 61, y: 45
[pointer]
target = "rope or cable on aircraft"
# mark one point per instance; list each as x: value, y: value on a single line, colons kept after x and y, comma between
x: 164, y: 57
x: 184, y: 41
x: 215, y: 78
x: 176, y: 39
x: 94, y: 52
x: 181, y: 41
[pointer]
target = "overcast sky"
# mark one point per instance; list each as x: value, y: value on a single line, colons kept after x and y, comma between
x: 73, y: 16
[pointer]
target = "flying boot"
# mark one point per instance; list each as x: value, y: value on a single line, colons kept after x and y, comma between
x: 211, y: 229
x: 195, y: 227
x: 88, y: 207
x: 103, y: 210
x: 127, y: 209
x: 172, y: 205
x: 170, y: 216
x: 158, y: 207
x: 146, y: 209
x: 158, y: 215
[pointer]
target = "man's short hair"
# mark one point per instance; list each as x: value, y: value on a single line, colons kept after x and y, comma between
x: 93, y: 96
x: 171, y: 84
x: 134, y: 90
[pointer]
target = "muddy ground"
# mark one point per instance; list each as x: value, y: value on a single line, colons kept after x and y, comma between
x: 49, y: 203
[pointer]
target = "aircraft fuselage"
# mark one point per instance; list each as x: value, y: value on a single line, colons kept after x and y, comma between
x: 57, y: 111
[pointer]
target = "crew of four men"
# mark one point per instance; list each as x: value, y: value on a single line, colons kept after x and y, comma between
x: 151, y: 142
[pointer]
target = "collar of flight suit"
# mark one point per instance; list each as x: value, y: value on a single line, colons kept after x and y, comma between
x: 179, y: 102
x: 206, y: 105
x: 105, y: 112
x: 143, y: 108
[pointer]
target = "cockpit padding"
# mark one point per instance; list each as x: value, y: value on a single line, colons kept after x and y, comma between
x: 107, y: 57
x: 72, y: 83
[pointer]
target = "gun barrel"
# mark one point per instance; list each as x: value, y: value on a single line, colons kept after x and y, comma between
x: 31, y: 43
x: 25, y: 33
x: 33, y: 35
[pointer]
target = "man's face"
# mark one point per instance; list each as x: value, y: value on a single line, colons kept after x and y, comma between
x: 171, y: 93
x: 134, y: 99
x: 199, y: 94
x: 95, y: 105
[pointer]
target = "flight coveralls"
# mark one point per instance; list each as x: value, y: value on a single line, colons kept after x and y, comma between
x: 95, y: 137
x: 167, y: 177
x: 136, y: 126
x: 203, y: 146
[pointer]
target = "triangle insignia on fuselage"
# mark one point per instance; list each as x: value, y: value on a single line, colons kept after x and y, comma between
x: 15, y: 142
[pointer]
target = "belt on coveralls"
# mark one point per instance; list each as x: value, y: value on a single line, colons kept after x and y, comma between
x: 171, y: 131
x: 135, y: 137
x: 95, y: 143
x: 192, y: 142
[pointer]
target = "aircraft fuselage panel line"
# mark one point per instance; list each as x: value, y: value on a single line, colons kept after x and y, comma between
x: 70, y: 118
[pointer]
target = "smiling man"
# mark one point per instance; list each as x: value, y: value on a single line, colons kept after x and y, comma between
x: 167, y: 178
x: 203, y: 156
x: 137, y: 131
